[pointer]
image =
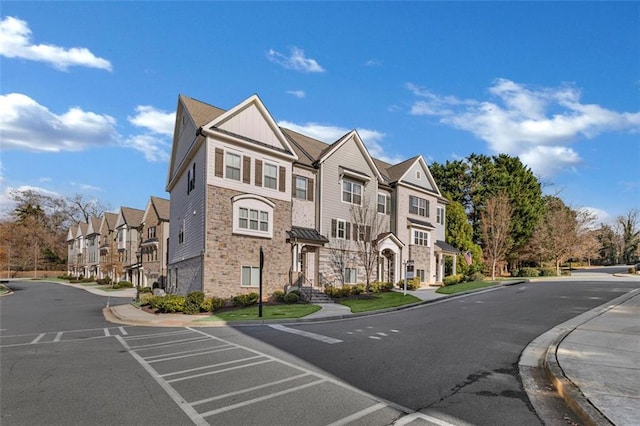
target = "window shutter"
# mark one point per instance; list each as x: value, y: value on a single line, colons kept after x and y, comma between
x: 293, y: 185
x: 281, y: 179
x: 427, y: 207
x: 388, y: 205
x: 334, y: 226
x: 188, y: 181
x: 219, y: 166
x: 258, y: 176
x: 246, y: 169
x: 347, y: 231
x: 355, y: 232
x: 367, y: 234
x: 310, y: 189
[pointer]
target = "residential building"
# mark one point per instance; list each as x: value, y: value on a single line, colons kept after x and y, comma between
x: 128, y: 235
x: 241, y: 185
x: 77, y: 250
x: 155, y: 234
x: 109, y: 259
x: 92, y: 262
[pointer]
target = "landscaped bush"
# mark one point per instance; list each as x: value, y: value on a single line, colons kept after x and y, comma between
x: 146, y: 290
x: 172, y: 303
x: 631, y: 270
x: 145, y: 299
x: 291, y: 297
x: 245, y: 299
x: 528, y: 272
x: 413, y: 284
x: 359, y: 289
x: 277, y: 296
x: 548, y: 272
x: 123, y: 284
x: 453, y: 279
x: 477, y: 276
x: 380, y: 287
x: 192, y: 302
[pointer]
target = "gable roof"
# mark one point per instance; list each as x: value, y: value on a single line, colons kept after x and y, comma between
x: 264, y: 132
x: 94, y: 225
x: 130, y: 217
x: 161, y: 208
x: 109, y: 220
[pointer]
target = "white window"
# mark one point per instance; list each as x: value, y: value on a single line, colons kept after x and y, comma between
x: 420, y: 238
x: 351, y: 192
x: 252, y: 215
x: 418, y: 206
x: 341, y: 229
x: 232, y: 162
x: 181, y: 234
x: 250, y: 276
x: 440, y: 215
x: 418, y: 175
x: 350, y: 275
x: 270, y: 176
x: 302, y: 186
x: 420, y: 274
x: 383, y: 204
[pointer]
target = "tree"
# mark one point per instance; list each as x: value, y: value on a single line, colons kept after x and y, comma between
x: 495, y: 221
x: 629, y: 234
x: 81, y: 209
x: 459, y: 233
x: 610, y: 245
x: 368, y: 225
x: 472, y: 181
x: 561, y: 232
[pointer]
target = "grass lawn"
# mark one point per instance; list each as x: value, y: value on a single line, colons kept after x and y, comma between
x: 379, y: 301
x: 471, y: 285
x: 268, y: 312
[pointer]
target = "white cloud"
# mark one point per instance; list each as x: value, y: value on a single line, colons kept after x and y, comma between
x: 7, y: 204
x: 535, y: 124
x: 296, y: 61
x: 372, y: 63
x: 27, y: 125
x: 329, y: 134
x: 154, y: 149
x: 599, y: 216
x: 15, y: 42
x: 154, y: 120
x: 297, y: 93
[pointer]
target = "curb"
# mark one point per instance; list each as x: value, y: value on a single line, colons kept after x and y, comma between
x: 569, y: 392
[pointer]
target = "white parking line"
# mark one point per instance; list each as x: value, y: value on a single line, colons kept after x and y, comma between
x: 192, y: 351
x: 37, y: 339
x: 224, y: 370
x: 106, y: 332
x: 220, y: 364
x: 358, y: 415
x: 124, y: 333
x: 58, y: 337
x: 411, y: 417
x: 165, y: 344
x: 320, y: 337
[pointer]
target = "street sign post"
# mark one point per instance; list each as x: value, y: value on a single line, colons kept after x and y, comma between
x: 408, y: 273
x: 260, y: 294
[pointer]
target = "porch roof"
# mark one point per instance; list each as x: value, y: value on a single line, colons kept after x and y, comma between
x: 306, y: 235
x: 447, y: 248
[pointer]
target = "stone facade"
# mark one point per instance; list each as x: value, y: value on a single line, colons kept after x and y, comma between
x: 227, y: 253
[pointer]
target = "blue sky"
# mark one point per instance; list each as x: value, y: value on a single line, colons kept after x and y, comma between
x: 88, y: 90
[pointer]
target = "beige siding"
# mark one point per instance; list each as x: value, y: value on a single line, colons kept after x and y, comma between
x: 251, y: 123
x: 417, y: 175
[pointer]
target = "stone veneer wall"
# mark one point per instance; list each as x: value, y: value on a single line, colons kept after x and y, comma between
x: 421, y: 256
x: 226, y: 253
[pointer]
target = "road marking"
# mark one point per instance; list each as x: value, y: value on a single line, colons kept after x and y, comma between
x: 124, y: 333
x: 210, y: 366
x: 375, y: 337
x: 394, y: 331
x: 165, y: 344
x: 411, y: 417
x: 106, y: 332
x: 379, y: 333
x: 58, y: 337
x: 224, y: 370
x: 260, y: 399
x: 218, y: 349
x: 358, y: 415
x: 188, y: 409
x: 319, y: 337
x: 251, y: 389
x: 37, y: 339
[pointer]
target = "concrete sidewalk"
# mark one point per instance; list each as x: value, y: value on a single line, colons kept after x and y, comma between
x: 596, y: 364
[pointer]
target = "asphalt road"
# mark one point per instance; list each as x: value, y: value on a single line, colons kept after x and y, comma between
x: 455, y: 361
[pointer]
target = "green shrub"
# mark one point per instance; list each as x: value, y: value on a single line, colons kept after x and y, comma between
x: 359, y: 289
x: 245, y: 299
x: 172, y: 303
x: 155, y: 285
x: 291, y: 297
x: 146, y: 290
x: 207, y: 305
x: 453, y: 279
x: 477, y: 276
x: 631, y: 270
x: 278, y: 296
x: 192, y: 302
x: 123, y: 284
x: 548, y: 272
x: 528, y: 272
x: 145, y: 299
x: 413, y: 284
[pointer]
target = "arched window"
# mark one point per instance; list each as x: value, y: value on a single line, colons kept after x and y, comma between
x: 252, y: 215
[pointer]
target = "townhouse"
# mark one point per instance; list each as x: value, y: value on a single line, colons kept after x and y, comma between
x: 241, y: 185
x: 129, y: 245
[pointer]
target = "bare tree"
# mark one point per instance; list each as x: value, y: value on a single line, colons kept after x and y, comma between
x: 81, y: 209
x: 495, y: 224
x: 629, y: 233
x: 339, y: 258
x: 368, y: 225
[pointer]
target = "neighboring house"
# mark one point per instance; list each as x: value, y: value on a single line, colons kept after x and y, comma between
x: 109, y: 264
x: 77, y: 250
x: 155, y: 232
x: 128, y: 235
x: 93, y: 248
x: 240, y: 184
